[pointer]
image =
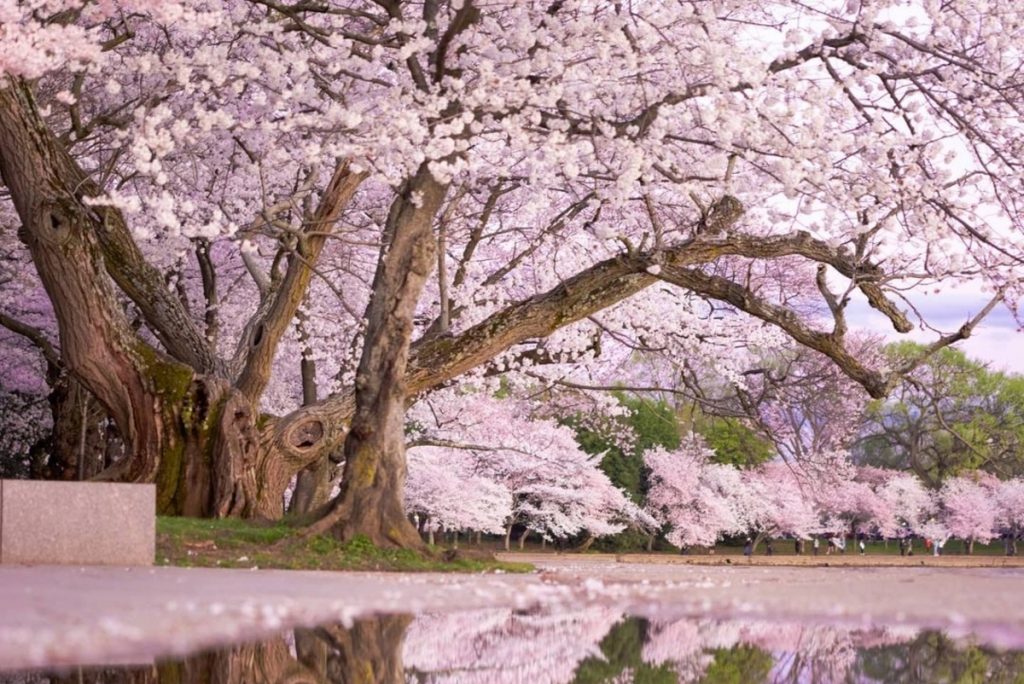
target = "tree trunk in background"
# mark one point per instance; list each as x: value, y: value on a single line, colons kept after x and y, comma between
x: 969, y: 546
x: 370, y: 501
x: 312, y: 486
x: 508, y: 538
x: 522, y: 538
x: 76, y: 448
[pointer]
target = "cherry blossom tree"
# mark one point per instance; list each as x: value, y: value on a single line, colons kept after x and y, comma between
x: 908, y: 503
x: 1010, y: 503
x: 417, y: 192
x: 968, y: 510
x: 694, y: 499
x: 777, y: 500
x: 848, y: 500
x: 509, y: 470
x: 443, y: 489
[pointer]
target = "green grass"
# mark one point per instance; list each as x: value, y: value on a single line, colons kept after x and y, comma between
x: 232, y: 543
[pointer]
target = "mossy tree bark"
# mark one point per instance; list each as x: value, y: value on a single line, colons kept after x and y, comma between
x: 370, y: 500
x: 171, y: 417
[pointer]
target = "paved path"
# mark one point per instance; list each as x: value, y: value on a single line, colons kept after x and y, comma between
x: 59, y: 615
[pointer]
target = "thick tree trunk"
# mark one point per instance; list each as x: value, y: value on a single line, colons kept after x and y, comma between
x: 370, y: 500
x: 266, y: 662
x: 522, y: 538
x: 508, y: 538
x: 187, y: 432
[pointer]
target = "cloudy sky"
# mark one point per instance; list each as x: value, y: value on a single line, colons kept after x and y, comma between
x: 996, y: 340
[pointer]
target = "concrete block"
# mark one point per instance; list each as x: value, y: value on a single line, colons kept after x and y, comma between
x: 77, y: 523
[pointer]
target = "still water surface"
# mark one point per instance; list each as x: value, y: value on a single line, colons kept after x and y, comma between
x: 586, y: 645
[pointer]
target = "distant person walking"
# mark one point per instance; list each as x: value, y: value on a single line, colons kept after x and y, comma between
x: 860, y: 545
x: 815, y: 545
x: 748, y: 548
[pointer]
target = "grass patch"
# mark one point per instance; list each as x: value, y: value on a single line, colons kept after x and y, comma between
x: 233, y: 543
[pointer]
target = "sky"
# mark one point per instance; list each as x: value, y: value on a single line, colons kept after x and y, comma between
x: 997, y: 339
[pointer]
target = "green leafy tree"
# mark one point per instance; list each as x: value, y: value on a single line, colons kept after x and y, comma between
x: 952, y: 414
x: 652, y: 422
x: 621, y: 651
x: 935, y: 657
x: 734, y: 443
x: 738, y: 665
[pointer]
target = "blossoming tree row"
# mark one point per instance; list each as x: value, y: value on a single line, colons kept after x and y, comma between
x: 481, y: 464
x: 697, y: 501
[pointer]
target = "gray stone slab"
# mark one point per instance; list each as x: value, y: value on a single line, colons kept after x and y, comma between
x: 77, y: 523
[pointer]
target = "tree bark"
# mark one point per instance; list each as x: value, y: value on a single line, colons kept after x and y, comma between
x: 190, y: 433
x: 312, y: 486
x: 370, y: 652
x: 370, y: 500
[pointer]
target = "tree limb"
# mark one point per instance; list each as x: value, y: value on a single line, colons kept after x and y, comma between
x: 263, y: 332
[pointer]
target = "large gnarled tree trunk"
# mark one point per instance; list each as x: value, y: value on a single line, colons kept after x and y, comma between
x: 173, y: 418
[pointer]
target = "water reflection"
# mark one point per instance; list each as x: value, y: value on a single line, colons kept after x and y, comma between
x: 580, y: 646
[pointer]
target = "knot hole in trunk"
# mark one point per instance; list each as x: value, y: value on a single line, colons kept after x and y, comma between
x: 306, y: 435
